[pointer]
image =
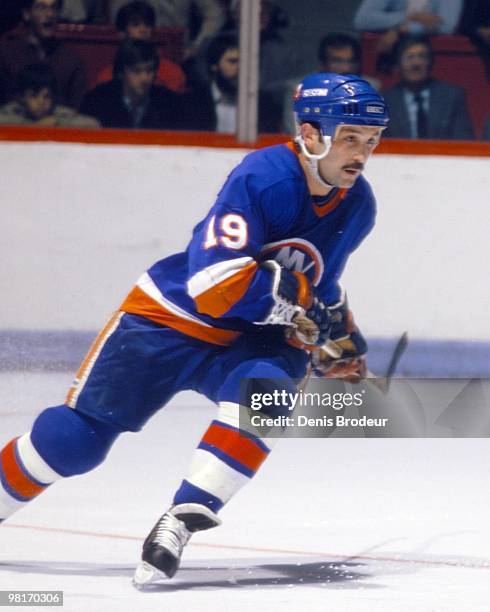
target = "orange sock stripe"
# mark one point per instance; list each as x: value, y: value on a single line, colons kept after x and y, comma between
x: 15, y: 477
x: 235, y: 445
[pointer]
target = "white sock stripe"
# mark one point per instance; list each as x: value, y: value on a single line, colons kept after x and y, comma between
x: 33, y: 462
x: 229, y: 414
x: 214, y: 476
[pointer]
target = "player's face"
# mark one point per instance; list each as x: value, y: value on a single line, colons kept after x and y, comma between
x: 351, y: 148
x: 138, y: 79
x: 42, y: 17
x: 139, y: 30
x: 38, y: 104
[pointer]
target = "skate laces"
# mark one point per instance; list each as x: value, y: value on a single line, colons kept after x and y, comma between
x: 172, y: 534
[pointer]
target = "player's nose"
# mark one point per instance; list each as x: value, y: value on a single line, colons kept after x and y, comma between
x: 361, y: 155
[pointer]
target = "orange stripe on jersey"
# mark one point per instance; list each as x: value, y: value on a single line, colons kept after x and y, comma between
x: 140, y: 303
x: 235, y: 445
x: 90, y: 358
x: 218, y: 299
x: 326, y: 208
x: 15, y: 477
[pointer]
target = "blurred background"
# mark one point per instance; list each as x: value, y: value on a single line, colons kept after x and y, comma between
x: 173, y: 64
x: 117, y: 129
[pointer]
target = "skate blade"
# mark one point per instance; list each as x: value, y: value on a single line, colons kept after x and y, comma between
x: 146, y: 574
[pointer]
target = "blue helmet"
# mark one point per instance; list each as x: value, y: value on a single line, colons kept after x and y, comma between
x: 330, y: 99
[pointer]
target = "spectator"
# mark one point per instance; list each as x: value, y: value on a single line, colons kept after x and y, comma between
x: 177, y: 13
x: 278, y: 61
x: 337, y: 52
x: 341, y: 53
x: 398, y: 17
x: 38, y: 44
x: 136, y: 21
x: 409, y: 16
x: 215, y: 105
x: 475, y: 23
x: 130, y: 99
x: 36, y: 102
x: 421, y: 106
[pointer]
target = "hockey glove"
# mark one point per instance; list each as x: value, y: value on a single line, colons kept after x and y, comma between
x: 311, y: 328
x: 342, y: 355
x: 297, y: 306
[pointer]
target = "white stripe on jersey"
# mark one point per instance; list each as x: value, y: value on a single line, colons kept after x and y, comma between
x: 215, y: 274
x: 146, y: 284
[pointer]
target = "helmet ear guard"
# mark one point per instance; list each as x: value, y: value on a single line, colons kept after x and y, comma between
x: 312, y: 159
x: 326, y: 140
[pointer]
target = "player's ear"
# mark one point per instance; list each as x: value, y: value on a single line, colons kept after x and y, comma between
x: 310, y: 134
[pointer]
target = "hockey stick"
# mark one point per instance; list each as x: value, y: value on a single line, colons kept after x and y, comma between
x: 383, y: 384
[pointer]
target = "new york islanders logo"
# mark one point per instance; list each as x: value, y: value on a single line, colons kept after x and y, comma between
x: 297, y: 255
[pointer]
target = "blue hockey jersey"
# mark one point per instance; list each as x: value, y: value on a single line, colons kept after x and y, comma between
x: 215, y: 289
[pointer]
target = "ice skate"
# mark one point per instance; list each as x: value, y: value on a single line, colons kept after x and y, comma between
x: 163, y: 547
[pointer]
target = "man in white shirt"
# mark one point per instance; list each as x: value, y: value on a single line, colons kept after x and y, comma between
x: 213, y: 106
x: 414, y: 16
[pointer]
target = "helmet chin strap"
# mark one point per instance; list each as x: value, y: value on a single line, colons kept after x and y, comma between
x: 312, y: 159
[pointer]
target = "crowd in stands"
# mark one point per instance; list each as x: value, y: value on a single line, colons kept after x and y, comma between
x: 44, y: 82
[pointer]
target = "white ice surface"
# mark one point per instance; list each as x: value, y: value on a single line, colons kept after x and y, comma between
x: 339, y: 525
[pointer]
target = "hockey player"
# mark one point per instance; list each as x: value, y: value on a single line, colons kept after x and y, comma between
x: 254, y: 293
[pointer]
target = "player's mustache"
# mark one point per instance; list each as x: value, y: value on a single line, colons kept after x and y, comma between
x: 354, y: 166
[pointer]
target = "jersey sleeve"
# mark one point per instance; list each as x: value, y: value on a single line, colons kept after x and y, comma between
x: 225, y: 278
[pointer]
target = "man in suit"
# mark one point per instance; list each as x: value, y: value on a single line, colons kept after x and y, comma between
x: 421, y: 106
